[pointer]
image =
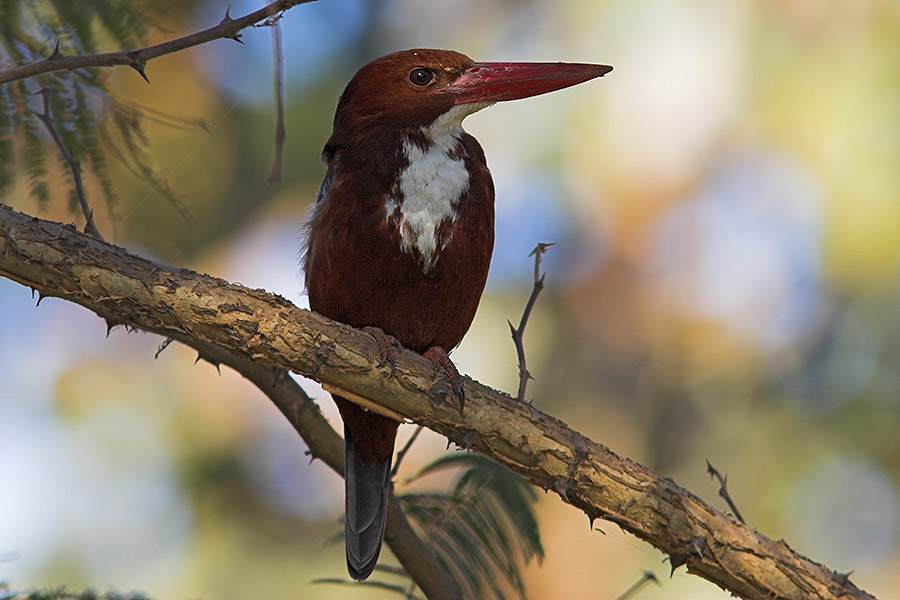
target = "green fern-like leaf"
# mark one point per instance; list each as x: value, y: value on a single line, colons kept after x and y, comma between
x: 74, y: 21
x: 124, y: 135
x: 89, y: 142
x: 35, y: 164
x: 79, y: 101
x: 9, y: 13
x: 483, y: 531
x: 7, y: 150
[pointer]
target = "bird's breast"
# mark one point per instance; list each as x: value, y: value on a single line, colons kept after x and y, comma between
x: 407, y: 252
x: 422, y: 204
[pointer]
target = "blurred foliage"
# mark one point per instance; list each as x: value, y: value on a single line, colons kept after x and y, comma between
x: 483, y: 531
x: 91, y: 121
x: 61, y: 593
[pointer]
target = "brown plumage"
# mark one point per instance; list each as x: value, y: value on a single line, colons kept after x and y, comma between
x: 402, y: 234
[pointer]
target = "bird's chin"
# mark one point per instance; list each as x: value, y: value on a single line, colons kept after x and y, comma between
x: 451, y: 121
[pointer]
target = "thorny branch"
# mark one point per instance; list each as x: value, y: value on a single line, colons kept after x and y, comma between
x: 74, y: 164
x: 519, y: 332
x: 402, y: 454
x: 723, y: 490
x: 139, y: 57
x: 266, y: 333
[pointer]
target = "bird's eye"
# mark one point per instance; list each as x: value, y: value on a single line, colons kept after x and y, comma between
x: 420, y: 77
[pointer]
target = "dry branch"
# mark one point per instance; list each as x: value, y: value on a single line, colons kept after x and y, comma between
x: 255, y: 326
x: 138, y: 58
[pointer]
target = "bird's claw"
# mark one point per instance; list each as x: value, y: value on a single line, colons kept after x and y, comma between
x: 440, y: 359
x: 386, y: 344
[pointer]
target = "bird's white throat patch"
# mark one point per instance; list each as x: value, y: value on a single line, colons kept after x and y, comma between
x: 430, y: 186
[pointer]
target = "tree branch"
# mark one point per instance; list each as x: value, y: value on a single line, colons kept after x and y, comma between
x: 518, y: 333
x: 74, y: 164
x: 267, y: 330
x: 138, y: 58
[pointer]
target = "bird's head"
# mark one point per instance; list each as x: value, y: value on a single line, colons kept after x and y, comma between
x: 412, y: 88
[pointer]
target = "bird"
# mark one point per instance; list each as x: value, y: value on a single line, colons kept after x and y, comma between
x: 400, y: 239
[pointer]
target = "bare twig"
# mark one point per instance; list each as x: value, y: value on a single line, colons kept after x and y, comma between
x: 647, y: 576
x: 162, y: 346
x: 74, y: 164
x: 404, y: 450
x: 723, y: 490
x: 138, y: 58
x: 278, y: 151
x: 518, y: 333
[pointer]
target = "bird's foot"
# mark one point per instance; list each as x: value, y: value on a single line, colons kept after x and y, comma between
x: 386, y: 344
x: 440, y: 359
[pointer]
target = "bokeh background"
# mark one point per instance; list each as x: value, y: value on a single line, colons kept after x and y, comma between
x: 724, y: 286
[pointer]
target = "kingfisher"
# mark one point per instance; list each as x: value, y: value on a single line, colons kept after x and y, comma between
x: 400, y: 239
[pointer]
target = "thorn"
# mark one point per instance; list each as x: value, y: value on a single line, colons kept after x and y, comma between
x: 138, y: 65
x: 44, y: 91
x: 214, y: 363
x: 323, y: 352
x: 165, y: 344
x: 675, y: 561
x: 695, y: 548
x: 41, y: 296
x: 592, y: 518
x: 56, y: 54
x: 561, y: 487
x: 541, y: 248
x: 466, y: 439
x: 279, y: 375
x: 512, y: 329
x: 236, y: 36
x: 110, y: 325
x: 723, y: 490
x: 843, y: 578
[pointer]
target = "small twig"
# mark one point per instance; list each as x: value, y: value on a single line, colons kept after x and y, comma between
x: 138, y: 58
x: 74, y: 164
x: 165, y: 344
x: 278, y: 152
x: 647, y: 576
x: 404, y: 450
x: 518, y: 333
x: 723, y: 490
